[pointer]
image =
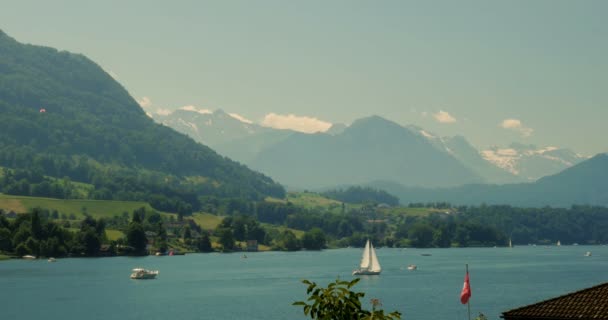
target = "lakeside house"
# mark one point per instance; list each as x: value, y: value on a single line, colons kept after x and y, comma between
x: 589, y: 303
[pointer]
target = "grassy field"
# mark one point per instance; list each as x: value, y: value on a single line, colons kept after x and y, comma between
x: 298, y: 233
x: 312, y: 200
x: 417, y: 212
x: 95, y: 208
x: 207, y: 221
x: 114, y: 235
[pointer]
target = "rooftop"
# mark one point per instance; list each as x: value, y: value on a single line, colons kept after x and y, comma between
x: 590, y: 303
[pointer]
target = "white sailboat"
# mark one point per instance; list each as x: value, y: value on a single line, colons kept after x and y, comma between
x: 510, y: 243
x: 369, y: 262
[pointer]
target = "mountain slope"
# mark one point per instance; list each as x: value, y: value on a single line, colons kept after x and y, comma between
x: 585, y: 184
x: 59, y: 108
x: 530, y: 162
x: 459, y: 148
x: 227, y: 135
x: 370, y: 149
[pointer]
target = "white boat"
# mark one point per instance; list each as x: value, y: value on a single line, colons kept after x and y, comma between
x: 51, y: 259
x: 141, y: 273
x: 369, y: 262
x: 558, y: 243
x: 29, y: 257
x: 510, y: 243
x: 588, y: 254
x: 412, y: 267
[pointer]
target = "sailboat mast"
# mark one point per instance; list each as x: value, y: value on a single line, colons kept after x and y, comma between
x: 369, y: 258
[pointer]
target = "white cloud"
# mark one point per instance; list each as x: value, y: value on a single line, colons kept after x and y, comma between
x: 516, y: 125
x: 296, y: 123
x: 509, y: 152
x: 145, y: 102
x: 195, y: 109
x: 240, y: 118
x: 444, y: 117
x: 163, y: 112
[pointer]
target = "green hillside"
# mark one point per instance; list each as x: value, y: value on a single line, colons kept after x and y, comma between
x: 94, y: 208
x: 65, y: 117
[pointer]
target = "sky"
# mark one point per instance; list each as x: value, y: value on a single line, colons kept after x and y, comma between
x: 532, y: 72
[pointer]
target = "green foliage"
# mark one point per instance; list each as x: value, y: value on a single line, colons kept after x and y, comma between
x: 339, y: 302
x: 204, y: 243
x: 226, y: 239
x: 94, y: 132
x: 287, y: 241
x: 357, y: 194
x: 313, y: 239
x: 136, y: 235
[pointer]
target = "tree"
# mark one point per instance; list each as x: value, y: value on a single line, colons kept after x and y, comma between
x: 421, y: 235
x: 204, y: 243
x: 226, y: 239
x: 136, y: 236
x: 338, y: 302
x: 287, y: 241
x: 313, y: 239
x: 187, y: 233
x: 5, y: 239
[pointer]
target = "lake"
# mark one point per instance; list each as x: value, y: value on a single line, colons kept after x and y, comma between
x: 263, y: 286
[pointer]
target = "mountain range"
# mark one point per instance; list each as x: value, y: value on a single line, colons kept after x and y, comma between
x: 385, y: 150
x: 585, y: 183
x: 63, y: 116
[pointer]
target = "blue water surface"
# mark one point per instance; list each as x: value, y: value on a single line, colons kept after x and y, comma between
x: 265, y: 284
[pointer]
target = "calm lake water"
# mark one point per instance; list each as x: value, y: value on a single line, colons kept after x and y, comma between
x: 263, y: 286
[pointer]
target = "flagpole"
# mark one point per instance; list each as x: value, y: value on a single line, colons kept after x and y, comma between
x: 469, y: 300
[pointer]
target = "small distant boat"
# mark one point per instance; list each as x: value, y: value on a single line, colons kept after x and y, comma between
x: 510, y: 243
x: 244, y: 256
x: 51, y: 259
x: 369, y: 262
x: 141, y: 273
x: 426, y: 254
x: 412, y: 267
x: 558, y: 243
x: 588, y: 254
x: 29, y: 257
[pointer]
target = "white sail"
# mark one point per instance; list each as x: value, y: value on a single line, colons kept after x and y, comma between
x: 375, y: 265
x: 365, y: 259
x: 369, y: 262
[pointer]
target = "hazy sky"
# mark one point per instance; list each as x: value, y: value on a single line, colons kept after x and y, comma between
x: 496, y: 72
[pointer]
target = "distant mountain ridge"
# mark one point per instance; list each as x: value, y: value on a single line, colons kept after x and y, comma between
x: 249, y: 143
x: 530, y: 162
x: 371, y: 148
x: 585, y: 183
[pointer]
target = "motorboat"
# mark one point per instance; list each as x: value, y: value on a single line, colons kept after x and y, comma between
x: 51, y: 259
x: 588, y: 254
x: 141, y: 273
x: 29, y: 257
x: 412, y: 267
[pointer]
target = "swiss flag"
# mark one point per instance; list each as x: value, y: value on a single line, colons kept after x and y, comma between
x: 466, y: 290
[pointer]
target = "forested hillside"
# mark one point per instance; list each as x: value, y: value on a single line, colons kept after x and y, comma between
x: 62, y: 116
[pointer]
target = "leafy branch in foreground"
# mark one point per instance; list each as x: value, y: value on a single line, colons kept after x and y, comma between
x: 338, y: 302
